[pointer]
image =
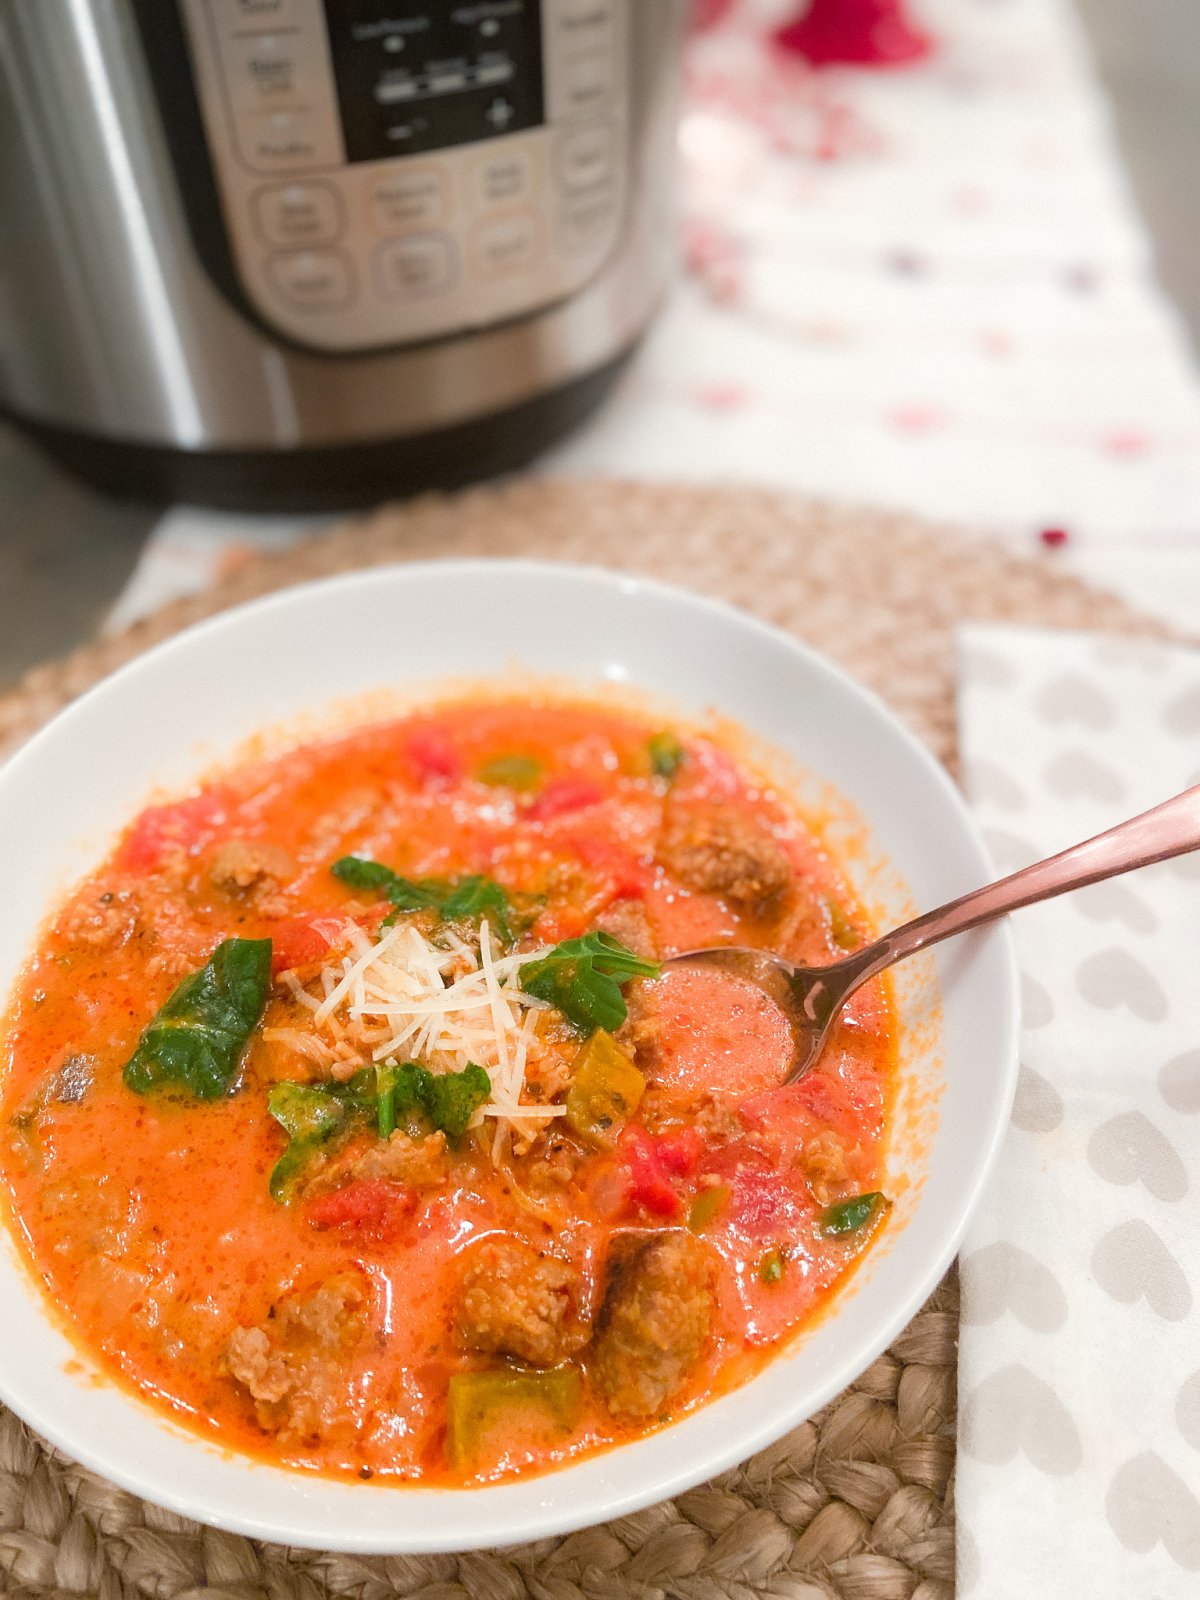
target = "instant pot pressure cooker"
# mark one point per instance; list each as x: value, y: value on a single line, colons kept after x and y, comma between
x: 309, y: 252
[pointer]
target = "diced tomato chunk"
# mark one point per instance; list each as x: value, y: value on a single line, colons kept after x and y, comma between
x: 818, y: 1099
x: 434, y: 756
x: 763, y: 1200
x: 679, y: 1152
x: 185, y: 826
x: 297, y: 941
x: 563, y: 795
x: 559, y: 923
x: 370, y: 1206
x: 649, y: 1185
x: 627, y: 877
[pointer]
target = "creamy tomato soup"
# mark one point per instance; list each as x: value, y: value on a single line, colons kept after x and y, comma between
x: 348, y: 1115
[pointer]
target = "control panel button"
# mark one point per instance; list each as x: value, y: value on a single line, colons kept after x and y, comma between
x: 313, y: 280
x: 233, y: 15
x: 584, y: 156
x: 508, y: 244
x: 420, y: 264
x: 585, y: 83
x: 586, y: 221
x: 265, y: 70
x: 298, y: 213
x: 582, y: 25
x: 288, y: 141
x: 503, y: 178
x: 416, y: 197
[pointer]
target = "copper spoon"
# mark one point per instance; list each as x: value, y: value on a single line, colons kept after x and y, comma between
x: 811, y: 997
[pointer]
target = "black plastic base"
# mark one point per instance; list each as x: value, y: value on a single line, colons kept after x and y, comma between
x: 330, y: 478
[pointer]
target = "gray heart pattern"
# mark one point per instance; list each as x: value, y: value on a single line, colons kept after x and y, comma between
x: 1115, y: 902
x: 1129, y: 655
x: 1129, y: 1149
x: 1185, y: 867
x: 985, y: 669
x: 1086, y: 1267
x: 1187, y: 1410
x: 1037, y: 1105
x: 1072, y: 699
x: 1179, y: 1082
x: 1075, y: 775
x: 987, y: 782
x: 1114, y: 978
x: 1009, y: 852
x: 1148, y: 1504
x: 1037, y: 1008
x: 1182, y: 715
x: 1001, y: 1277
x: 1013, y: 1412
x: 1131, y: 1263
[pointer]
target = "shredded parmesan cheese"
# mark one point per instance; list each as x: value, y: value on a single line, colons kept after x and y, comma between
x: 444, y: 1005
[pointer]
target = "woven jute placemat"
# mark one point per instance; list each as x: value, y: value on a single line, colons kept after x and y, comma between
x: 857, y: 1504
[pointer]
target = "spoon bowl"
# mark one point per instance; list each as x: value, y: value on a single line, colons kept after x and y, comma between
x: 811, y: 997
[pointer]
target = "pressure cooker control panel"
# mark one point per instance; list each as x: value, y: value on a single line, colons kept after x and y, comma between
x: 398, y: 172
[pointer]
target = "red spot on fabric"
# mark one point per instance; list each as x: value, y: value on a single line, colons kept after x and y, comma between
x: 1054, y: 537
x: 916, y: 418
x: 866, y: 33
x: 1127, y: 442
x: 722, y: 396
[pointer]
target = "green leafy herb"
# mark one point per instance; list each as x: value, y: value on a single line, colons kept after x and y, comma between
x: 666, y: 754
x: 848, y: 1215
x: 476, y: 897
x: 310, y: 1116
x: 771, y: 1265
x: 583, y: 978
x: 447, y: 1100
x: 194, y: 1045
x: 385, y: 1110
x: 458, y: 900
x: 406, y: 894
x: 511, y: 772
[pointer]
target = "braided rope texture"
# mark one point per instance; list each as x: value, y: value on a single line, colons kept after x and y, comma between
x: 856, y: 1504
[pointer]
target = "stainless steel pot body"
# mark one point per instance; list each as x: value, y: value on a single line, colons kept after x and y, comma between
x: 255, y: 226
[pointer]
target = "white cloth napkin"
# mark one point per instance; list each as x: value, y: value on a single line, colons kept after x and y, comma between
x: 1079, y: 1433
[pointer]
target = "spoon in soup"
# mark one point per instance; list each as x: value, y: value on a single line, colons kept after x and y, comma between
x: 811, y: 997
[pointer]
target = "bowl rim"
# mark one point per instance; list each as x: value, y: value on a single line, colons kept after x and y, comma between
x: 557, y: 1518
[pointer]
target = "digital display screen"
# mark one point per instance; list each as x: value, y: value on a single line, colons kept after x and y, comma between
x: 423, y: 76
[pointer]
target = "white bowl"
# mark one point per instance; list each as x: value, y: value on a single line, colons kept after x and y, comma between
x: 161, y: 721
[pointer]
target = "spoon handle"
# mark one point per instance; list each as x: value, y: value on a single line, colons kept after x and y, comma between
x: 1170, y: 829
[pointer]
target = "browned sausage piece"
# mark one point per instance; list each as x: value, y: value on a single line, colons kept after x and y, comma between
x: 239, y: 867
x: 515, y: 1301
x: 293, y: 1364
x: 654, y: 1321
x: 719, y: 851
x: 627, y: 921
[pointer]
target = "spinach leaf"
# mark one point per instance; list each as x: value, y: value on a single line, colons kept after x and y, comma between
x: 316, y: 1115
x: 447, y: 1100
x: 583, y: 978
x: 309, y: 1116
x: 458, y: 900
x: 194, y: 1045
x: 406, y: 894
